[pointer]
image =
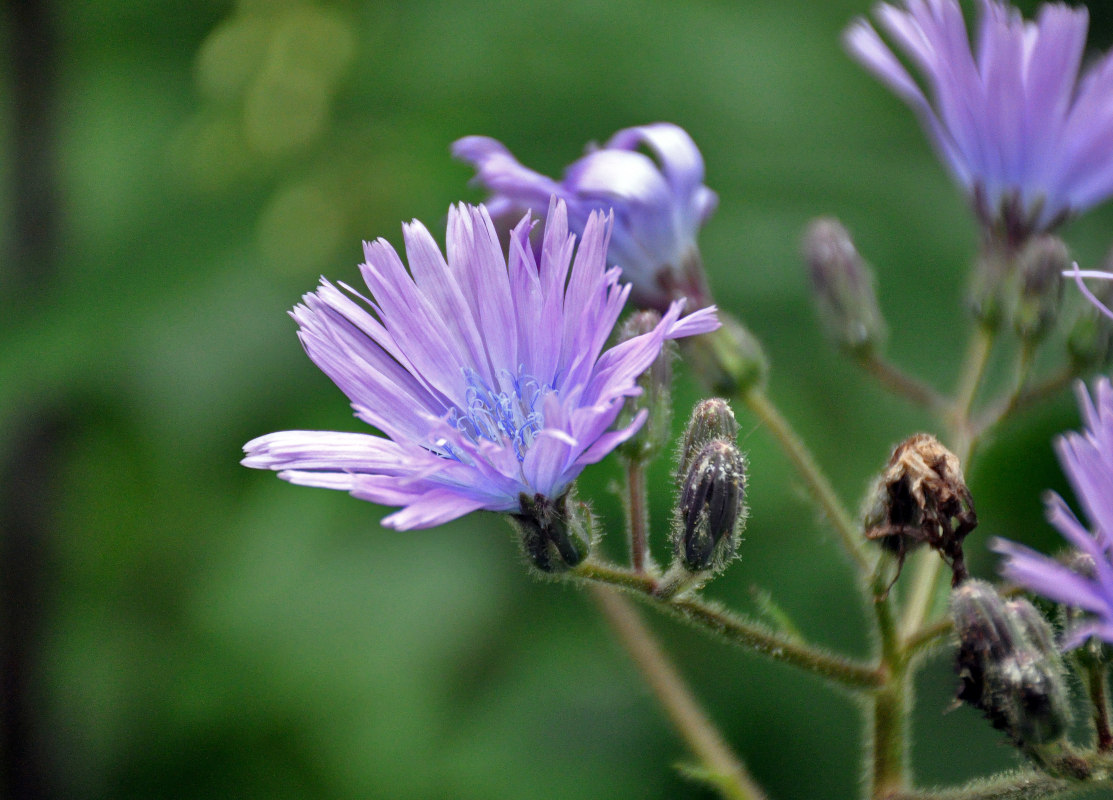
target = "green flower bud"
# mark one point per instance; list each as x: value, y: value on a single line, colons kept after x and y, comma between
x: 1090, y: 341
x: 729, y: 360
x: 655, y: 399
x: 1038, y: 292
x: 1009, y: 666
x: 842, y: 285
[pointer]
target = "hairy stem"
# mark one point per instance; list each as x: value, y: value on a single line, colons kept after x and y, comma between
x: 1048, y: 387
x: 758, y: 402
x: 1099, y: 699
x: 733, y: 628
x: 637, y: 514
x: 1027, y: 785
x: 724, y: 769
x: 900, y: 383
x: 888, y: 768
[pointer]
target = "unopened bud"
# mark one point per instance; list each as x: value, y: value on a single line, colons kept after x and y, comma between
x: 555, y: 534
x: 1090, y: 341
x: 729, y: 359
x: 922, y: 498
x: 1039, y: 286
x: 842, y: 284
x: 712, y: 509
x: 655, y: 397
x: 1008, y: 665
x: 711, y: 419
x: 988, y: 281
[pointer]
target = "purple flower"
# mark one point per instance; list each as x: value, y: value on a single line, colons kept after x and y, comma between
x: 659, y: 203
x: 488, y: 380
x: 1087, y: 460
x: 1027, y: 137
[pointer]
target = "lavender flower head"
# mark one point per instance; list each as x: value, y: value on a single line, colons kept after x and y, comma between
x: 659, y: 203
x: 1027, y: 137
x: 487, y: 378
x: 1087, y: 460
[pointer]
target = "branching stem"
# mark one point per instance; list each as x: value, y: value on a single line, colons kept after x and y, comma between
x: 734, y: 628
x: 900, y: 383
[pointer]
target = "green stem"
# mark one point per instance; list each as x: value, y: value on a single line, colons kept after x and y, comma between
x: 925, y: 579
x: 733, y: 628
x: 889, y: 740
x: 927, y: 637
x: 889, y: 722
x: 723, y: 767
x: 1049, y: 387
x: 850, y: 534
x: 637, y: 514
x: 900, y: 383
x: 1100, y: 701
x: 1027, y: 785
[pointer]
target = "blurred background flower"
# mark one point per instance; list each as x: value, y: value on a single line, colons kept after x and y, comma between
x: 177, y: 176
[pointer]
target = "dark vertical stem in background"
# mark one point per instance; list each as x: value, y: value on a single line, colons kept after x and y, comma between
x: 27, y: 488
x: 29, y: 463
x: 32, y: 47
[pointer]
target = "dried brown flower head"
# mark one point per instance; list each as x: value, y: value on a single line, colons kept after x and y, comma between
x: 921, y: 497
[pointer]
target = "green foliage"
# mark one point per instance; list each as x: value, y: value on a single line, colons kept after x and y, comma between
x: 206, y: 630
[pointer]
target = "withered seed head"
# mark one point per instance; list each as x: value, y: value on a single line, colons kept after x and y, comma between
x: 921, y: 498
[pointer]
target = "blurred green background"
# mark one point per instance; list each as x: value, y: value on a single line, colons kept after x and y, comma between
x: 178, y: 174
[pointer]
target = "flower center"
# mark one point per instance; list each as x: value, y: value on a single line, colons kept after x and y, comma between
x: 510, y: 416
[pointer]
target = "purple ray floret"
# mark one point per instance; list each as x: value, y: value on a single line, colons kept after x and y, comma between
x: 1028, y: 138
x: 487, y: 375
x: 1087, y: 460
x: 659, y: 203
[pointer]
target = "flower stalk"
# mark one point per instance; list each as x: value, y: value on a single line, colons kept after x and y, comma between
x: 721, y: 766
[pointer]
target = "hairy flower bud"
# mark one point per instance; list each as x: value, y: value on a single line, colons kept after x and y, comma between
x: 553, y: 535
x: 921, y: 498
x: 730, y: 359
x: 712, y: 511
x: 1090, y: 341
x: 842, y: 285
x: 711, y: 419
x: 1039, y: 286
x: 1008, y: 664
x: 655, y: 398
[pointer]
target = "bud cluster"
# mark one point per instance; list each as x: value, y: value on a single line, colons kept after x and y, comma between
x: 1009, y: 666
x: 921, y: 498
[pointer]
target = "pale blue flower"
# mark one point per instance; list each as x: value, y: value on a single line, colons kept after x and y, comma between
x: 659, y: 203
x: 488, y: 378
x: 1087, y: 460
x: 1026, y: 136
